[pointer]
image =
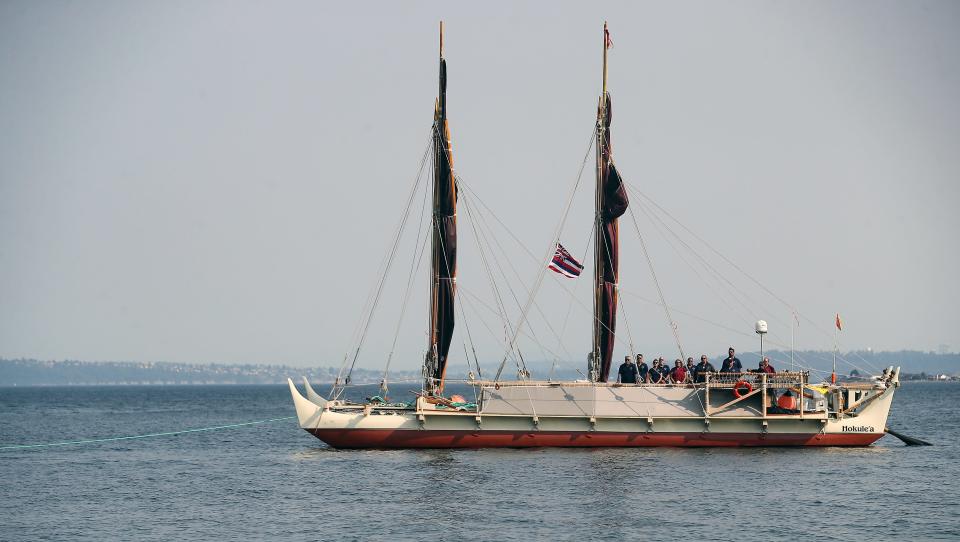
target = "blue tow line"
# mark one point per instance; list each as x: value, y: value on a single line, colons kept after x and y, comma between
x: 151, y: 435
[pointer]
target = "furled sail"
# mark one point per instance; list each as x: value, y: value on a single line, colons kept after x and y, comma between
x: 444, y: 244
x: 611, y: 203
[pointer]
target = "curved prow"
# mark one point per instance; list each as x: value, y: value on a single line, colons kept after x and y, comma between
x: 308, y: 413
x: 313, y: 396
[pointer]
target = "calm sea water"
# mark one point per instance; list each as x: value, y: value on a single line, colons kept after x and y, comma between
x: 275, y: 481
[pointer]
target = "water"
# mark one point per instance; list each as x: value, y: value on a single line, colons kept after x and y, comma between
x: 275, y: 481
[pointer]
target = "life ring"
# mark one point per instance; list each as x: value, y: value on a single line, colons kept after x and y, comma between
x: 741, y: 384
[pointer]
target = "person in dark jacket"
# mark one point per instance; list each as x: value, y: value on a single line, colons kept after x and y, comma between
x: 642, y: 370
x: 656, y: 377
x: 628, y: 372
x: 731, y: 364
x: 701, y: 370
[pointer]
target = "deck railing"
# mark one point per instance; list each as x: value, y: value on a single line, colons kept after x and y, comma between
x: 712, y: 380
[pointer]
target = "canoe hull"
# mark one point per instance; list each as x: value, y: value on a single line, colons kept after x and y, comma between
x: 414, y: 438
x: 577, y: 416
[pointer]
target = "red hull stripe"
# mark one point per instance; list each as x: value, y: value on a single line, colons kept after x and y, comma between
x: 407, y: 438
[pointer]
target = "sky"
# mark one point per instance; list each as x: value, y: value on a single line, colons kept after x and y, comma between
x: 221, y: 181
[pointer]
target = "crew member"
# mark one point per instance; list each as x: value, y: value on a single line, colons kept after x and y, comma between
x: 679, y: 372
x: 765, y: 367
x: 656, y: 376
x: 628, y: 372
x: 731, y: 364
x: 701, y: 370
x: 642, y: 370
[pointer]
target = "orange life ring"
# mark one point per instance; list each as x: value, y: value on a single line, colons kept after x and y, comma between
x: 741, y: 384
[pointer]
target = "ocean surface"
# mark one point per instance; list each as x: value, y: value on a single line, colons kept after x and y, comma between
x: 275, y: 481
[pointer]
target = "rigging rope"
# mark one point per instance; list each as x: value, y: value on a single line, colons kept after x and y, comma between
x: 476, y: 226
x: 552, y: 249
x: 560, y: 282
x: 666, y: 309
x: 389, y: 264
x: 414, y: 267
x: 489, y: 234
x: 732, y: 289
x: 476, y: 361
x: 715, y: 274
x: 495, y: 312
x: 476, y: 199
x: 734, y: 265
x: 501, y: 307
x: 803, y: 363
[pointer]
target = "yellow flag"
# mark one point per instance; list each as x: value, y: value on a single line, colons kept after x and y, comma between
x: 822, y: 390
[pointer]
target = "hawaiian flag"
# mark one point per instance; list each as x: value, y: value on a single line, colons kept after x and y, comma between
x: 564, y: 263
x: 839, y: 322
x: 606, y: 38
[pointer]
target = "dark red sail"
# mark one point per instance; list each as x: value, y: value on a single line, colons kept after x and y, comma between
x: 611, y: 202
x: 444, y: 246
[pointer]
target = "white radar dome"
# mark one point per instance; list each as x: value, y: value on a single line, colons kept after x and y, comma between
x: 761, y: 326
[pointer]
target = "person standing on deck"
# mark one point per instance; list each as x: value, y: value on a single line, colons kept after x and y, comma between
x: 655, y: 376
x: 731, y: 364
x: 690, y: 369
x: 642, y: 370
x: 701, y: 370
x: 664, y: 370
x: 765, y: 367
x: 628, y: 372
x: 679, y: 372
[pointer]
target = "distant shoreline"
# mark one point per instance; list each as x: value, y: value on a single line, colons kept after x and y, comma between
x: 40, y: 373
x: 31, y: 372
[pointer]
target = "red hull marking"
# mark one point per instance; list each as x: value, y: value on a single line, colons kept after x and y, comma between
x: 412, y: 438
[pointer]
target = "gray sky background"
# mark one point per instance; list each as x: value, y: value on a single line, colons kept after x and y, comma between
x: 218, y: 181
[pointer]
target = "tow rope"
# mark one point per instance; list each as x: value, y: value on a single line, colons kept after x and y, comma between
x: 149, y: 435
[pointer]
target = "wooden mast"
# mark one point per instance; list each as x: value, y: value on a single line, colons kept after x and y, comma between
x: 443, y: 245
x: 598, y: 248
x: 611, y: 203
x: 430, y: 362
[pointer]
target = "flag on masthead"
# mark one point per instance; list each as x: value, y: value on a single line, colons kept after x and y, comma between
x: 606, y: 38
x: 564, y: 263
x: 839, y: 322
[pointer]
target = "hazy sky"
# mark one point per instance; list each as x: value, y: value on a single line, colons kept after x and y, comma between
x: 219, y: 181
